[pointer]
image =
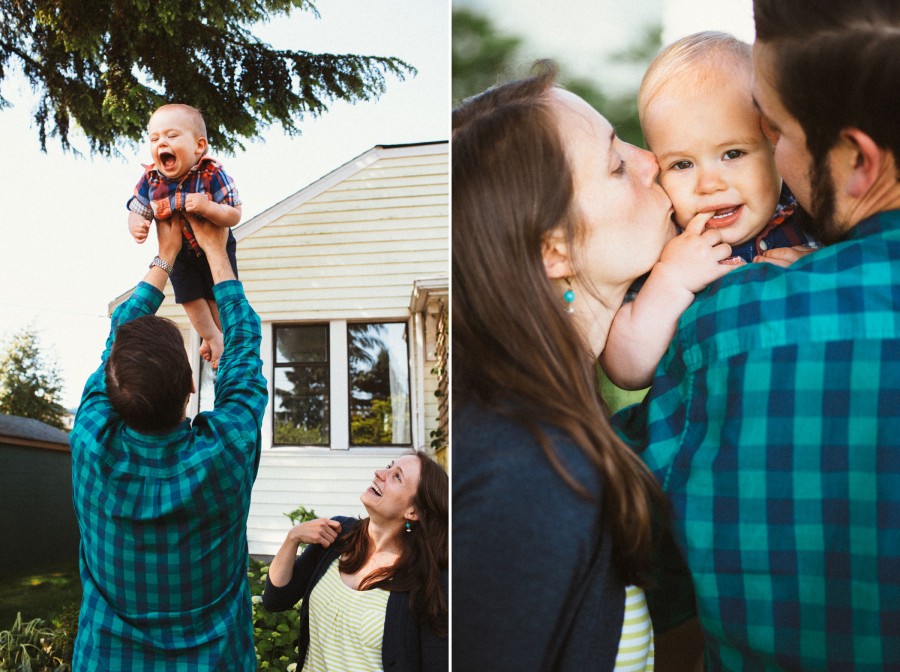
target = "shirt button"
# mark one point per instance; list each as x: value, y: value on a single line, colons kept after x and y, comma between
x: 763, y: 246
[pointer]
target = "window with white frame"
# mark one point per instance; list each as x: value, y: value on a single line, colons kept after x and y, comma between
x: 378, y: 370
x: 301, y: 389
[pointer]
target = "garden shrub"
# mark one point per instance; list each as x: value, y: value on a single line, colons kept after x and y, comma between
x: 33, y: 646
x: 276, y: 633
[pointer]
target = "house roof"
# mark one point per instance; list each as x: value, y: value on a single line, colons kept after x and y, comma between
x: 329, y: 180
x: 29, y: 432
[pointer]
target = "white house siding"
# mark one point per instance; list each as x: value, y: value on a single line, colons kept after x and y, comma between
x: 348, y: 247
x: 353, y: 251
x: 329, y: 484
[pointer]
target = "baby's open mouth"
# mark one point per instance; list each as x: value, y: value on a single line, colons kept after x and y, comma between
x: 167, y: 160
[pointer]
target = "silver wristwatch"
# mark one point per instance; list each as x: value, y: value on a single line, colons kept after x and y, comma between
x: 162, y: 264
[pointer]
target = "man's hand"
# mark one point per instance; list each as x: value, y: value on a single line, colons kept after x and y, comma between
x: 212, y: 240
x: 784, y: 256
x: 196, y: 204
x: 138, y: 227
x: 168, y: 235
x: 210, y: 237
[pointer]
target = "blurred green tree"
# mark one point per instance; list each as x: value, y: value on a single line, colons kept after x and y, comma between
x: 482, y: 57
x: 30, y: 382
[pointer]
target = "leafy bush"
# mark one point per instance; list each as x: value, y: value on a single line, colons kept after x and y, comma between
x: 300, y: 515
x: 32, y: 646
x: 276, y: 633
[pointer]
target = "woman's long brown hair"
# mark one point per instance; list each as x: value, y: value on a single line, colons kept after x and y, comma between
x: 514, y: 347
x: 424, y: 550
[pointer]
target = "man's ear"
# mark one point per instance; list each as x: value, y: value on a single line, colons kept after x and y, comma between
x: 861, y: 162
x: 555, y: 253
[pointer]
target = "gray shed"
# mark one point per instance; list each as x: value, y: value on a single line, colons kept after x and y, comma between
x: 37, y: 523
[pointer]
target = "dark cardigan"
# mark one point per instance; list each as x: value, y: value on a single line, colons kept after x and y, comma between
x: 407, y: 646
x: 534, y: 585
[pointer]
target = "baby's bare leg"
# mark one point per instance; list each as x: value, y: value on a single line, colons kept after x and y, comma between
x: 204, y: 320
x: 214, y: 309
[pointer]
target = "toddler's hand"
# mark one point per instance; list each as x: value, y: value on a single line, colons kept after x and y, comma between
x: 693, y: 258
x: 139, y: 228
x: 196, y: 204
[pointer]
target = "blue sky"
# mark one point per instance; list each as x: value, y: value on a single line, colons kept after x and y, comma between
x: 65, y: 251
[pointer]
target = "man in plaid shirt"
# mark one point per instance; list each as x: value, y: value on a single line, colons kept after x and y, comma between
x: 161, y: 502
x: 773, y: 422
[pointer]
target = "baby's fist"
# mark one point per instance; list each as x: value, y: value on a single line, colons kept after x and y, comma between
x: 195, y: 203
x: 139, y: 229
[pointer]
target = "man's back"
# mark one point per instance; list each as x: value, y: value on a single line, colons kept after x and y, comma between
x: 163, y: 517
x: 775, y: 431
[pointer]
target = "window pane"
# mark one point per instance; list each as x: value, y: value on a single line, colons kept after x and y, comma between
x: 308, y: 343
x: 379, y: 384
x: 207, y: 389
x: 301, y: 405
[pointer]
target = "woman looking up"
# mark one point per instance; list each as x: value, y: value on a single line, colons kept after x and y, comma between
x: 374, y: 590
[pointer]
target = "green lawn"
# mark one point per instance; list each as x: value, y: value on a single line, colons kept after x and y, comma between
x: 42, y: 593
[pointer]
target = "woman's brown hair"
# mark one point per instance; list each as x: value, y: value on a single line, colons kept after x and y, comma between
x: 424, y: 554
x: 514, y: 347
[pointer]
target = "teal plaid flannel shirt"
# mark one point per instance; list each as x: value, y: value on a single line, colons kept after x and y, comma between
x: 773, y: 424
x: 163, y: 517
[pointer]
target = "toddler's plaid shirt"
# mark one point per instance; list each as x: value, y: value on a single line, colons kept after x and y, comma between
x: 157, y: 197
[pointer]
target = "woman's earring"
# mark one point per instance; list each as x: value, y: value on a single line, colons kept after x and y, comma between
x: 408, y: 527
x: 569, y: 297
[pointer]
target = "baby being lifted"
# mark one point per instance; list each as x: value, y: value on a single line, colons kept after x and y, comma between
x: 183, y: 182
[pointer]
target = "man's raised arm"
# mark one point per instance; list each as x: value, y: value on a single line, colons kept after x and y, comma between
x: 241, y: 391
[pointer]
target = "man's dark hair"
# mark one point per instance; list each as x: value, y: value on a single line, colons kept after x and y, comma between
x: 148, y: 375
x: 837, y: 66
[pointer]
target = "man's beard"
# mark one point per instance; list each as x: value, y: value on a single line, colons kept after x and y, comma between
x: 821, y: 224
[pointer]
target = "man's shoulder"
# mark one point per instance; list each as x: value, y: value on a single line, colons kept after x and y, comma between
x: 815, y: 299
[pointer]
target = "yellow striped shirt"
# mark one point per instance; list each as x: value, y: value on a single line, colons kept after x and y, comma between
x: 636, y: 644
x: 346, y: 626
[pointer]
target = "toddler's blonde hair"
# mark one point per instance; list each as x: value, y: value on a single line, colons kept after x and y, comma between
x: 198, y: 124
x: 704, y: 60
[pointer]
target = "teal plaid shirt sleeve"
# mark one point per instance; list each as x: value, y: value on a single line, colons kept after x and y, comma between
x: 163, y: 517
x: 241, y: 394
x: 773, y: 424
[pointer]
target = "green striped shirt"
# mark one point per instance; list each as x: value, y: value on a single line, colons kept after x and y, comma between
x: 346, y: 626
x: 636, y: 645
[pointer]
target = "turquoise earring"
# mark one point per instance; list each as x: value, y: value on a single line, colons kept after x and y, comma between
x: 408, y: 527
x: 569, y: 297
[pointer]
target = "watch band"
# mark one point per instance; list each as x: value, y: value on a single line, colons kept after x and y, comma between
x: 162, y: 264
